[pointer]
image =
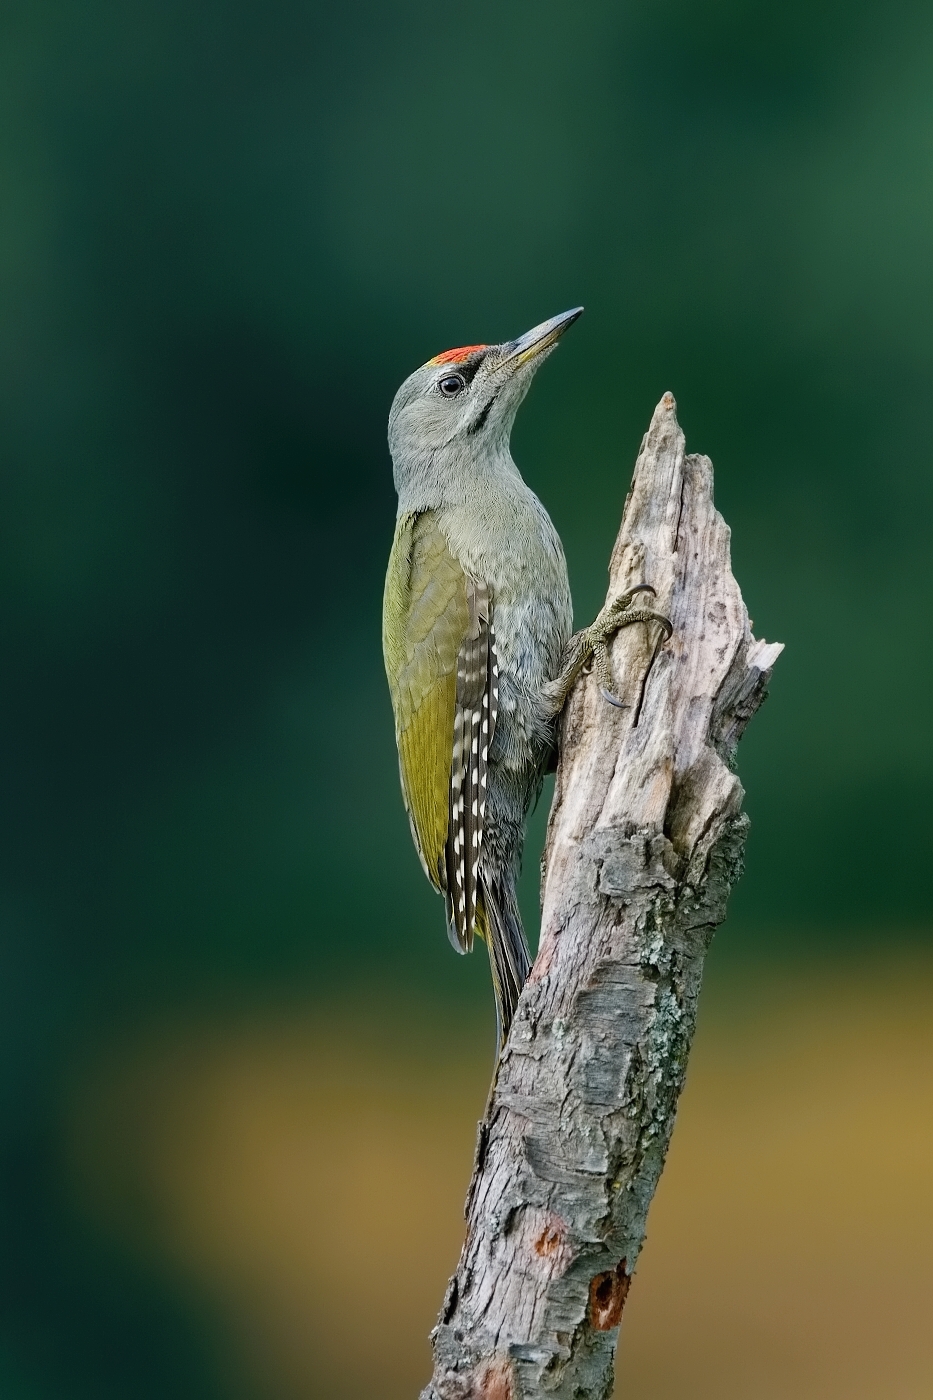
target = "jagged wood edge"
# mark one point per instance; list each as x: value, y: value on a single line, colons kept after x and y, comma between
x: 645, y: 840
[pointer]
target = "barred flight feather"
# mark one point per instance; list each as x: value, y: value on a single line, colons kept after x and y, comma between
x: 474, y: 725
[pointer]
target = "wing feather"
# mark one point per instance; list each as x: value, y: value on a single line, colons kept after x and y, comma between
x: 474, y: 724
x: 441, y: 663
x: 425, y: 619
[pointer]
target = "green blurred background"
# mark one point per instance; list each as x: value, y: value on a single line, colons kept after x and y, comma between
x: 227, y: 232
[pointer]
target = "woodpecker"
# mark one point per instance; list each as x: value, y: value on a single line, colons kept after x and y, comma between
x: 477, y: 637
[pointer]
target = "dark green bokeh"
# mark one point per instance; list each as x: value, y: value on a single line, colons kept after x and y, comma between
x: 227, y: 232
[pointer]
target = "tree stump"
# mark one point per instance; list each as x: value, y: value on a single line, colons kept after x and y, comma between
x: 645, y: 840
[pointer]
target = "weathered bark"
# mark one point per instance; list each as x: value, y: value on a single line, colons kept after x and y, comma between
x: 645, y: 840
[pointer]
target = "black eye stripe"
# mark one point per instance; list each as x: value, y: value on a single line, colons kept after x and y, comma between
x: 469, y: 367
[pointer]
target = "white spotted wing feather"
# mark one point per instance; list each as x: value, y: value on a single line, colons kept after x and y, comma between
x: 474, y: 725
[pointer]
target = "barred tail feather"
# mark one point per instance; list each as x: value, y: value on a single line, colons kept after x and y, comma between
x: 499, y: 923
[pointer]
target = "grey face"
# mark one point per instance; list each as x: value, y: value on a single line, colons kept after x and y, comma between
x: 470, y: 397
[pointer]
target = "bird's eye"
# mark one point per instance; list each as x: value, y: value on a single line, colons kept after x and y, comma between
x: 451, y: 385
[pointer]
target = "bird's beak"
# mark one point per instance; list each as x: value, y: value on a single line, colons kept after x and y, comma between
x: 535, y: 342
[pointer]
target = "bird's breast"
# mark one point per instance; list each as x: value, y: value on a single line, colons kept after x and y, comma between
x: 509, y: 541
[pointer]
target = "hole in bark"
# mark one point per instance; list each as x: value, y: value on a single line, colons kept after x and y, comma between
x: 608, y: 1293
x: 549, y: 1240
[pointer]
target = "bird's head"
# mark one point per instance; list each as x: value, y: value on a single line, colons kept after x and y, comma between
x: 461, y: 405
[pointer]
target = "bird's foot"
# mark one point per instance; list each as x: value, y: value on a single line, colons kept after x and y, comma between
x: 615, y: 615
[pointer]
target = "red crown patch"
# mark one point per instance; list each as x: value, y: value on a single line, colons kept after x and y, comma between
x: 453, y: 357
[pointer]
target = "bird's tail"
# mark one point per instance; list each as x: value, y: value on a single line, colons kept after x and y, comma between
x: 499, y: 924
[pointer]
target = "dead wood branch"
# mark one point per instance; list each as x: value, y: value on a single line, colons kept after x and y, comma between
x: 645, y: 840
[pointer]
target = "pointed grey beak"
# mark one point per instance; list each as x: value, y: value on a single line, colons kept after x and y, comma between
x: 516, y: 353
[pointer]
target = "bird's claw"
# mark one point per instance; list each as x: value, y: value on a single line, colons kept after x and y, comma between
x: 613, y: 699
x: 617, y: 614
x: 624, y: 600
x: 602, y: 665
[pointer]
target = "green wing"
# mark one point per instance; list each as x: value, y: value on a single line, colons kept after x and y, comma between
x: 425, y: 619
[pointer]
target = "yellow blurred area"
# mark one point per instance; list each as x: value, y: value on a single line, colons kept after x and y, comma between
x: 304, y: 1171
